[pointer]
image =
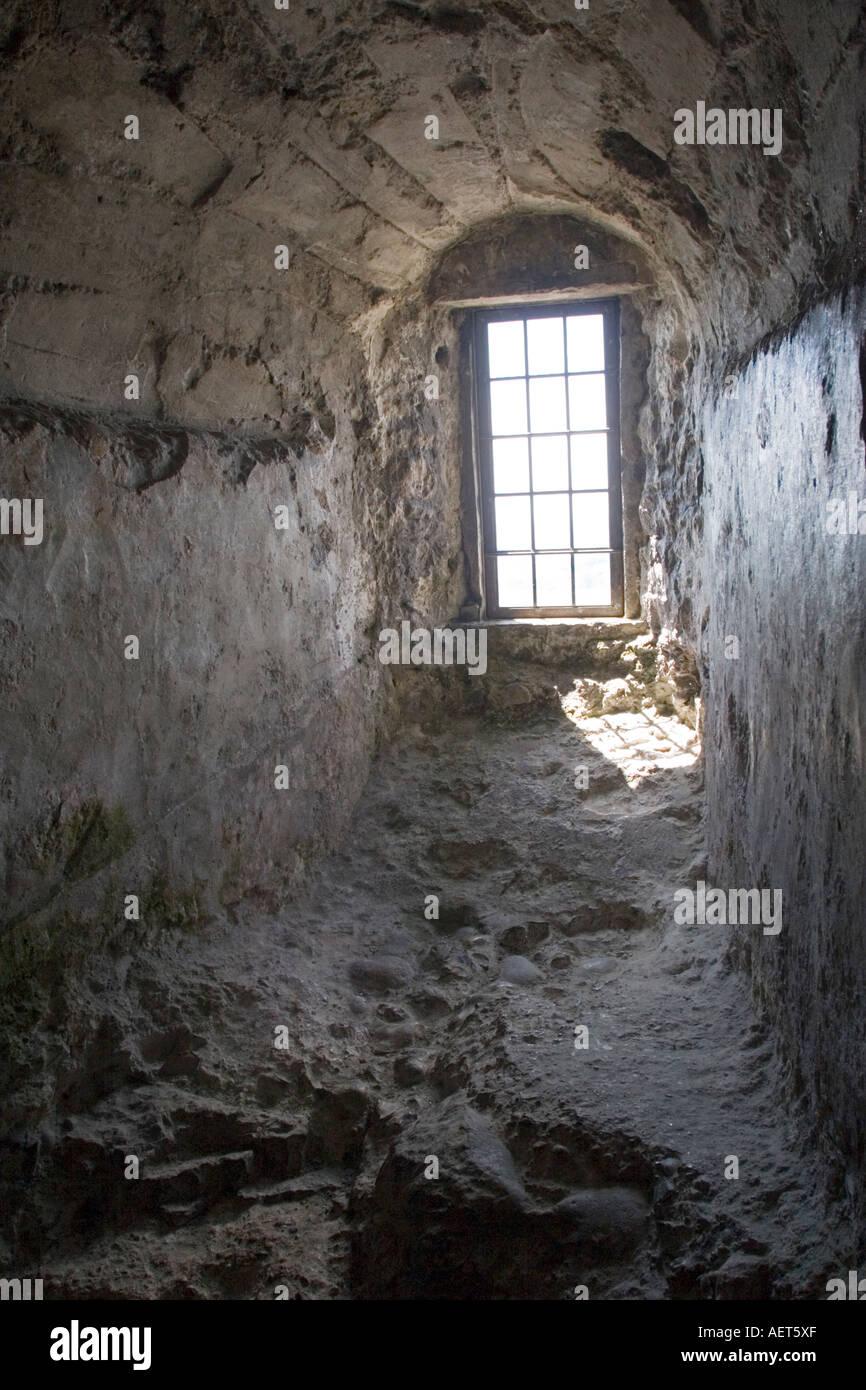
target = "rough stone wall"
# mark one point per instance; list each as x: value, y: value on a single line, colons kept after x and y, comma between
x: 249, y: 656
x: 255, y: 576
x: 784, y: 720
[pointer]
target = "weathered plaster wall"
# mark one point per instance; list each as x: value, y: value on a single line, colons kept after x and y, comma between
x: 251, y: 655
x: 258, y: 642
x: 784, y: 727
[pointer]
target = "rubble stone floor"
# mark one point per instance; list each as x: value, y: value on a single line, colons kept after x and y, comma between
x: 306, y: 1167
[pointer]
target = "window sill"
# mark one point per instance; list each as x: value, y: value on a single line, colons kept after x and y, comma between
x: 635, y: 625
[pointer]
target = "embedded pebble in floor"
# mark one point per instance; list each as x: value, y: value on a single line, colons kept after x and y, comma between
x: 380, y: 974
x: 598, y: 965
x: 517, y: 970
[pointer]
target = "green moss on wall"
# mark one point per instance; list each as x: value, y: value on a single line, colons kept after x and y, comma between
x: 83, y: 842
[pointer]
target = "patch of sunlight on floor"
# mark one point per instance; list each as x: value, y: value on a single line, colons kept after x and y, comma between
x: 640, y: 743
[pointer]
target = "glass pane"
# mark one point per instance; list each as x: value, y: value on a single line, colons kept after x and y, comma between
x: 585, y: 333
x: 591, y: 519
x: 510, y: 465
x: 551, y: 521
x: 514, y: 573
x: 553, y: 581
x: 508, y: 407
x: 505, y: 348
x: 588, y: 460
x: 592, y: 581
x: 513, y: 524
x: 547, y: 403
x: 586, y: 402
x: 549, y: 462
x: 546, y: 346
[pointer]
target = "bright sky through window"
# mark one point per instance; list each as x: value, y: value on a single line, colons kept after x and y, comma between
x: 548, y: 446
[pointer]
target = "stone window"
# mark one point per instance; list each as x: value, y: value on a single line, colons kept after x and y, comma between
x: 547, y: 412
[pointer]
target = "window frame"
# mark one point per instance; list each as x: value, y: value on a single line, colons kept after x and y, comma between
x: 610, y: 311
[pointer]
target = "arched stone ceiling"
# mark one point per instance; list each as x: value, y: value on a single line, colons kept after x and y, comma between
x: 306, y: 127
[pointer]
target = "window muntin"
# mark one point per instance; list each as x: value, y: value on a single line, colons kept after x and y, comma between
x: 547, y: 382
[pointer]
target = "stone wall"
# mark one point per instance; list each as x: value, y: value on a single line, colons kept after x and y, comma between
x: 250, y: 654
x: 784, y: 726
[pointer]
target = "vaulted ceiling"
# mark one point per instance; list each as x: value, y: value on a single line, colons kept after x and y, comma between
x: 307, y: 128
